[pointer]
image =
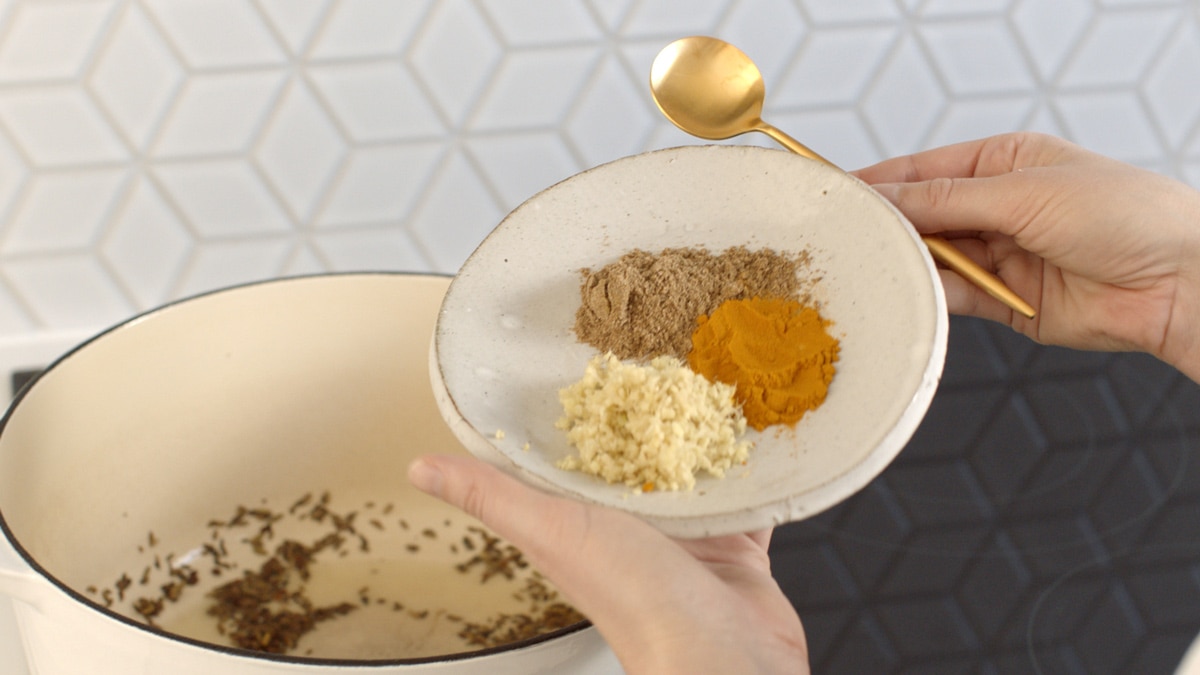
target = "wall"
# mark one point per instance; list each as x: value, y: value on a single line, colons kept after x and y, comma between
x: 152, y: 149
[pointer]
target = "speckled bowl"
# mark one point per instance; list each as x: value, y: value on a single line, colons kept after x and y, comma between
x: 504, y: 341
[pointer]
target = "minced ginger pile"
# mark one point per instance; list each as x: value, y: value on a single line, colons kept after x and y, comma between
x: 651, y: 426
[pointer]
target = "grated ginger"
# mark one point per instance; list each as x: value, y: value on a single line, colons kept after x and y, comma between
x: 651, y: 426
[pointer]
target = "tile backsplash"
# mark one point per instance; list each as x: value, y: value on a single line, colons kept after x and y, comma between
x: 152, y: 149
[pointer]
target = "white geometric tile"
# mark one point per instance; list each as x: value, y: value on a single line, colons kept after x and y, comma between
x: 1170, y: 85
x: 456, y: 213
x: 376, y: 101
x: 135, y: 76
x: 361, y: 28
x: 221, y: 198
x: 379, y: 185
x: 50, y: 41
x: 834, y: 66
x: 1118, y: 48
x: 59, y: 126
x: 454, y: 54
x: 218, y: 114
x: 977, y: 118
x: 13, y: 174
x: 1049, y: 30
x: 303, y: 260
x: 300, y: 150
x: 612, y: 12
x: 1092, y: 120
x: 542, y: 22
x: 636, y: 57
x: 1192, y: 151
x: 219, y: 264
x: 370, y: 250
x: 533, y: 88
x: 666, y: 135
x: 63, y: 210
x: 838, y: 135
x: 1045, y: 120
x: 672, y: 18
x: 839, y: 11
x: 542, y: 156
x: 1120, y: 4
x: 14, y: 320
x: 386, y: 134
x: 69, y: 291
x: 942, y: 9
x: 1191, y: 174
x: 904, y: 101
x: 218, y: 33
x: 146, y: 245
x: 769, y: 31
x: 978, y: 56
x: 295, y: 21
x: 611, y: 116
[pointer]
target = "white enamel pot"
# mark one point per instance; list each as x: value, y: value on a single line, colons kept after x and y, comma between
x: 126, y: 446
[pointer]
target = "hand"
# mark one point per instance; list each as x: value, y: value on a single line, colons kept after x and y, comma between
x: 663, y: 605
x: 1107, y: 253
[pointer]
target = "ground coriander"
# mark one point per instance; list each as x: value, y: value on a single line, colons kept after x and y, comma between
x: 646, y: 304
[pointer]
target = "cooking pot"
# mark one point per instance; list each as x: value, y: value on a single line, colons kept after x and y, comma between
x: 125, y: 465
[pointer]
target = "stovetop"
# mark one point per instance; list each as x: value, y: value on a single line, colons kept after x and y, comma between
x: 1045, y: 518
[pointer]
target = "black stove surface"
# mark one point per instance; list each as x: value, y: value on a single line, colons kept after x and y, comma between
x: 1045, y: 518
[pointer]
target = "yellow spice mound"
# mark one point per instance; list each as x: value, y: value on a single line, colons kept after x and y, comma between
x: 777, y: 353
x: 651, y: 426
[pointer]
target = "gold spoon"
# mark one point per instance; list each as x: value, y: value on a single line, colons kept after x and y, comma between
x: 712, y: 90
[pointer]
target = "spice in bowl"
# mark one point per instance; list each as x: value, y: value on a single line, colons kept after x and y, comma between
x: 714, y: 342
x: 645, y: 304
x: 651, y: 426
x: 777, y: 353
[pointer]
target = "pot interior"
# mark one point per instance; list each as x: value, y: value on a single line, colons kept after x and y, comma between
x: 177, y: 452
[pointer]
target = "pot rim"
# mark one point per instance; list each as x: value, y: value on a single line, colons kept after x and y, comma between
x: 106, y: 612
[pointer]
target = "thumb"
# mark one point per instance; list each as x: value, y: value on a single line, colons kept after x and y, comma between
x: 521, y: 514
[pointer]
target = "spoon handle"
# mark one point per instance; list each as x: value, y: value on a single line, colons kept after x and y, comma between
x: 945, y: 253
x: 790, y: 143
x: 941, y: 250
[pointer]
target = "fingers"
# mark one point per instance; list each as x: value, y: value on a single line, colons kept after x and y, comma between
x: 967, y: 299
x: 958, y: 160
x: 981, y: 158
x: 997, y: 204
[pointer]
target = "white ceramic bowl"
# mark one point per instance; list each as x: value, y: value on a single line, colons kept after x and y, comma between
x: 263, y: 392
x: 504, y: 341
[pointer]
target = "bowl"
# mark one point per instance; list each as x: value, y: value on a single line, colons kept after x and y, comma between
x: 166, y: 450
x: 504, y: 342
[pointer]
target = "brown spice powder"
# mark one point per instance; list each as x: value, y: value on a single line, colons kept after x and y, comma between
x: 646, y: 304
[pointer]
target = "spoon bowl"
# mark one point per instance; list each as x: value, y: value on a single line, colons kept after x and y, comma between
x: 712, y: 90
x: 693, y: 65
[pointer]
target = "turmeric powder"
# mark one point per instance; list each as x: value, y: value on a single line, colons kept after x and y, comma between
x: 776, y: 352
